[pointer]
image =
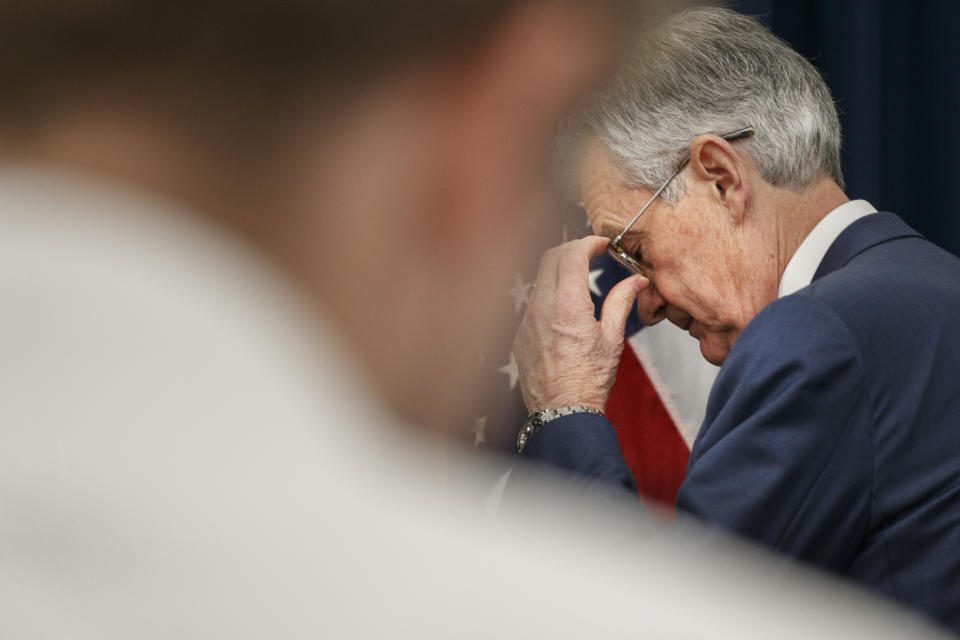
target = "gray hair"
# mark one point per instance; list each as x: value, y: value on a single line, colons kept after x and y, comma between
x: 711, y: 70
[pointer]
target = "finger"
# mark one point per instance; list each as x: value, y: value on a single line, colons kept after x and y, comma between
x: 618, y: 305
x: 574, y: 266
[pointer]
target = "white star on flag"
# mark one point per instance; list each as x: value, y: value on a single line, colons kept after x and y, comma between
x: 520, y: 293
x: 594, y: 286
x: 511, y: 369
x: 479, y: 431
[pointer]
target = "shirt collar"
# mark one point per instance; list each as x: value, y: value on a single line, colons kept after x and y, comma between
x: 805, y: 261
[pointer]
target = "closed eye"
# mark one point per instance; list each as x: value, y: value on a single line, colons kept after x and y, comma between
x: 633, y: 242
x: 636, y: 251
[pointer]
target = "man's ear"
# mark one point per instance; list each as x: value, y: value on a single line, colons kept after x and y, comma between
x: 506, y: 99
x: 715, y: 163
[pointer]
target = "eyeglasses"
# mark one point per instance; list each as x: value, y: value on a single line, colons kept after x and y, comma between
x: 617, y: 252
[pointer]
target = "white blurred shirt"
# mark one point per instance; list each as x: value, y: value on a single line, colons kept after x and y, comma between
x: 186, y: 452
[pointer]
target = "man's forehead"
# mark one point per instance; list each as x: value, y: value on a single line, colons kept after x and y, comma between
x: 604, y: 221
x: 598, y: 171
x: 606, y: 200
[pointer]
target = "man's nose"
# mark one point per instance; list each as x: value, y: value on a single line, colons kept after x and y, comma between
x: 650, y: 306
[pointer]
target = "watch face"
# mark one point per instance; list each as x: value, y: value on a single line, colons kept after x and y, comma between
x: 537, y: 420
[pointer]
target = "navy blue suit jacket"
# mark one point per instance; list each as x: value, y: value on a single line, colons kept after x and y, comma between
x: 832, y: 433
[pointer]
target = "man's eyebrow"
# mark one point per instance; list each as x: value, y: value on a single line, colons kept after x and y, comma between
x: 606, y: 230
x: 611, y: 230
x: 634, y: 235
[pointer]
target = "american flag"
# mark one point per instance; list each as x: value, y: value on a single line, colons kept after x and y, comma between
x: 657, y: 404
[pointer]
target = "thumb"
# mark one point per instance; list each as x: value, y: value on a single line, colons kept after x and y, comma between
x: 618, y: 305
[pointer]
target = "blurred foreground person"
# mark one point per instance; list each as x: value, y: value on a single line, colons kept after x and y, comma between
x: 832, y: 434
x: 243, y: 246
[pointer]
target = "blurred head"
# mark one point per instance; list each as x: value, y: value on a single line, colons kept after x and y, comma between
x: 390, y: 156
x: 717, y: 240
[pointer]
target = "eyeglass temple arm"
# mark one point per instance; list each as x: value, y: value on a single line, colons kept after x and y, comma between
x: 746, y: 132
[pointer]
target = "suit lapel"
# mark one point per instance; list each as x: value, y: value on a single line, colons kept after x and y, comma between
x: 866, y: 232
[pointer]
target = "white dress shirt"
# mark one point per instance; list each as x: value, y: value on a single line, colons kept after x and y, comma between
x: 805, y: 262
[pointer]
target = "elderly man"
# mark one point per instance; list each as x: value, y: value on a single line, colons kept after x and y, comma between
x: 833, y: 431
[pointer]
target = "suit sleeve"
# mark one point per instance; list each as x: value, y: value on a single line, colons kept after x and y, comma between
x: 785, y: 453
x: 584, y: 445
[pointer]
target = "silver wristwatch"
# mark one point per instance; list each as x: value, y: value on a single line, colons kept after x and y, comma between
x: 536, y: 420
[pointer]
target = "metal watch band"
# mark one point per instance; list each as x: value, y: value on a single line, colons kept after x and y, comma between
x: 536, y: 420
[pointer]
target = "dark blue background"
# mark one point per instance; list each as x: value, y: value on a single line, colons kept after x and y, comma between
x: 894, y: 69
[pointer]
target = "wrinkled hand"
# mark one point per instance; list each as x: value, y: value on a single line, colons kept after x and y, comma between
x: 564, y: 354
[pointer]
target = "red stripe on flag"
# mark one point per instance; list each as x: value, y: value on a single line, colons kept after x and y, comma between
x: 651, y: 445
